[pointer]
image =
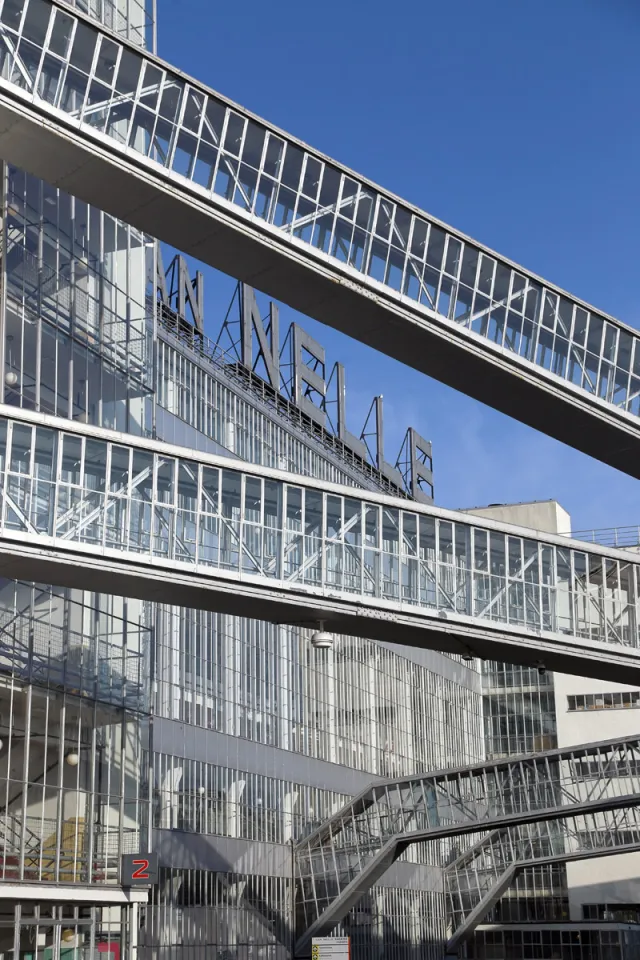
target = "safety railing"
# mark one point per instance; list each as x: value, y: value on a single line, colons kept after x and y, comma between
x: 339, y: 861
x: 475, y: 881
x: 261, y: 182
x: 75, y: 487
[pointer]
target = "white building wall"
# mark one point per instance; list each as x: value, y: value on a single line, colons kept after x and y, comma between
x: 545, y: 515
x: 614, y: 879
x: 610, y: 879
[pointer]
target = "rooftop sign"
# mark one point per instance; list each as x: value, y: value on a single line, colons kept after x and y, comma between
x: 297, y: 369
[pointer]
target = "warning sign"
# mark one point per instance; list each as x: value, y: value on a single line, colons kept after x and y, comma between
x: 330, y: 948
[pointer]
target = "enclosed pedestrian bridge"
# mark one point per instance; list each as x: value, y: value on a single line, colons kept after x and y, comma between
x: 119, y: 128
x: 557, y: 805
x: 477, y: 879
x: 91, y: 508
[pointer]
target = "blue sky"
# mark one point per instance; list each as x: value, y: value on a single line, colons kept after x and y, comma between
x: 514, y: 122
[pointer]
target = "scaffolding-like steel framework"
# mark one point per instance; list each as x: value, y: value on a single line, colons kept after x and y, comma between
x: 249, y: 540
x: 344, y: 857
x: 477, y: 879
x: 99, y: 117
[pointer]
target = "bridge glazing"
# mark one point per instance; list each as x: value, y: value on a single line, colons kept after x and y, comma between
x: 261, y: 183
x: 475, y: 881
x: 361, y: 560
x: 340, y: 860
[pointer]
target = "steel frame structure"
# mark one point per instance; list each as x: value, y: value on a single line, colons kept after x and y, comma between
x: 87, y: 507
x: 350, y: 852
x: 119, y: 128
x: 477, y: 879
x: 98, y: 117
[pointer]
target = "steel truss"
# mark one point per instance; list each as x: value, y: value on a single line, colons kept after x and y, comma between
x: 351, y: 851
x: 477, y: 879
x: 87, y: 507
x: 116, y: 126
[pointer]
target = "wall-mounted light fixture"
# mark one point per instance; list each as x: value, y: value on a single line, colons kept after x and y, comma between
x: 321, y: 639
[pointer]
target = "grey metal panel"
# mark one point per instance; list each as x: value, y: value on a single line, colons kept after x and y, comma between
x: 184, y: 740
x: 221, y: 854
x: 412, y: 876
x: 184, y: 851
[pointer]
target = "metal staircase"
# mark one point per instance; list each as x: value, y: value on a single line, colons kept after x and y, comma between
x: 36, y: 849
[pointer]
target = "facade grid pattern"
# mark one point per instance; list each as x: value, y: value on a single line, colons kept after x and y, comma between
x: 591, y: 943
x: 604, y: 701
x: 211, y: 407
x: 78, y: 332
x: 73, y: 487
x: 138, y: 103
x: 78, y: 304
x: 360, y: 704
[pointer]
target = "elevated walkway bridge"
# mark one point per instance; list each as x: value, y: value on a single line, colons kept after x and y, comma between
x: 476, y: 881
x: 91, y: 508
x: 548, y: 807
x: 114, y: 125
x: 121, y: 129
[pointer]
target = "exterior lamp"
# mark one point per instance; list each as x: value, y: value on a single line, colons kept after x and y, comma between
x: 321, y: 639
x: 11, y: 378
x: 72, y: 758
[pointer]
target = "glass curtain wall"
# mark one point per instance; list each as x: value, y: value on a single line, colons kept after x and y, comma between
x: 78, y: 333
x: 358, y: 704
x: 74, y: 667
x: 520, y: 717
x: 78, y: 313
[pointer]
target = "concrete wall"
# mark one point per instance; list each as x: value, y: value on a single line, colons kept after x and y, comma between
x: 613, y: 879
x: 545, y: 515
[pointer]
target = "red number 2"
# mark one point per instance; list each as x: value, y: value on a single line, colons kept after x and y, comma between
x: 141, y: 872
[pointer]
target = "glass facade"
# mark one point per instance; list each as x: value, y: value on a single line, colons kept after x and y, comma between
x: 518, y: 709
x: 585, y: 943
x: 359, y: 707
x: 78, y: 329
x: 621, y: 912
x: 537, y: 895
x: 358, y: 704
x: 519, y: 712
x: 182, y: 728
x: 204, y: 388
x: 234, y: 913
x: 220, y: 741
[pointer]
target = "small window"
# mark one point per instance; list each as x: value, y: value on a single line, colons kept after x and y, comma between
x: 604, y: 701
